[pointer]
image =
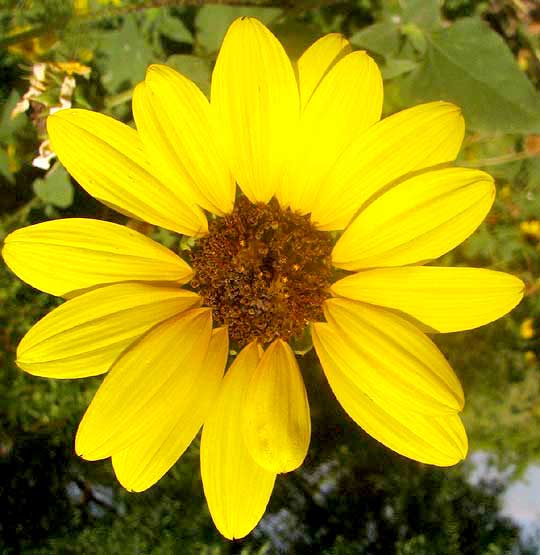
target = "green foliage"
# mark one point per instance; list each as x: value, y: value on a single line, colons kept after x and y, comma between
x: 470, y: 65
x: 172, y: 27
x: 56, y: 189
x: 212, y: 22
x: 8, y: 125
x: 424, y: 13
x: 466, y: 63
x: 128, y: 55
x: 197, y: 69
x: 380, y: 38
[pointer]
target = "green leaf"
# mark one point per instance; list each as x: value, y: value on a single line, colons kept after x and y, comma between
x: 55, y: 189
x: 212, y: 22
x: 126, y: 56
x: 197, y: 69
x: 528, y: 199
x: 416, y: 37
x: 9, y: 126
x: 296, y: 36
x: 173, y: 28
x: 424, y: 13
x: 470, y: 65
x: 4, y: 166
x: 379, y: 38
x: 395, y: 67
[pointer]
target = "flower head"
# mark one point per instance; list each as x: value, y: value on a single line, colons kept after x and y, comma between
x: 310, y: 157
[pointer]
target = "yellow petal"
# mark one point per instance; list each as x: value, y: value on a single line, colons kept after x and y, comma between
x: 410, y: 140
x: 236, y: 488
x: 255, y: 102
x: 443, y: 299
x: 439, y: 440
x: 84, y: 336
x: 347, y: 101
x: 62, y: 257
x: 107, y: 158
x: 145, y: 462
x: 173, y: 121
x: 420, y: 219
x: 277, y: 424
x: 317, y: 60
x: 145, y: 386
x: 389, y: 359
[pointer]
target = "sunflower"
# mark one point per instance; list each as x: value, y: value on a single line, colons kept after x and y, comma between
x: 335, y: 215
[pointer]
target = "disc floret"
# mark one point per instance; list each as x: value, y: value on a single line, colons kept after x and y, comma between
x: 264, y: 271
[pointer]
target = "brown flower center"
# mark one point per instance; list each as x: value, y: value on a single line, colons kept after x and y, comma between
x: 264, y: 271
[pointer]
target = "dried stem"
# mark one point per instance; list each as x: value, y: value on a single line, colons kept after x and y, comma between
x: 498, y: 160
x: 92, y: 17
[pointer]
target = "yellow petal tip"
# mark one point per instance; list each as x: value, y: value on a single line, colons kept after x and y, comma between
x: 277, y: 423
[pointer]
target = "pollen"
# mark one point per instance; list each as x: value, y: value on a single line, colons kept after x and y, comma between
x: 264, y: 271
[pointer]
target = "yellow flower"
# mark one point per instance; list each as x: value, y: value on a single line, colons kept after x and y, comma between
x: 32, y: 48
x: 14, y: 161
x: 526, y: 329
x: 310, y: 157
x: 70, y: 68
x: 82, y: 7
x: 531, y: 228
x: 505, y: 192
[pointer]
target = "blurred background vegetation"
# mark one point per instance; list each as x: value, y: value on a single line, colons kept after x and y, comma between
x: 352, y: 496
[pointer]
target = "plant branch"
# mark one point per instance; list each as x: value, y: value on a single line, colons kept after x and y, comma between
x: 21, y: 214
x: 32, y: 33
x: 117, y: 99
x: 498, y: 160
x: 106, y: 13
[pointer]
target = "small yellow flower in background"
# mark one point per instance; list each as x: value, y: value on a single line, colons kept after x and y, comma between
x: 32, y: 49
x: 14, y: 160
x: 82, y: 7
x: 531, y: 229
x: 310, y: 156
x: 70, y: 68
x: 505, y: 192
x: 526, y: 329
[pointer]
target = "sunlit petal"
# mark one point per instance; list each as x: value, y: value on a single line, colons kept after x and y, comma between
x: 277, y: 424
x: 389, y: 359
x: 84, y: 336
x: 237, y: 489
x: 174, y: 122
x: 420, y: 219
x: 255, y: 102
x: 107, y: 158
x: 145, y: 385
x: 65, y: 256
x: 410, y: 140
x: 439, y: 440
x: 443, y: 299
x: 317, y: 61
x: 144, y: 462
x: 347, y: 101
